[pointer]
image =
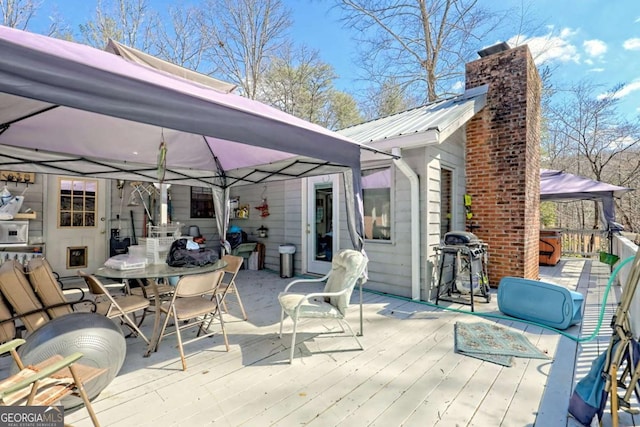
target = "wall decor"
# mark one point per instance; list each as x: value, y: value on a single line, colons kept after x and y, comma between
x: 22, y: 177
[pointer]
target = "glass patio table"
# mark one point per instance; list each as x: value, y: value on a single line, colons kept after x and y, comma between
x: 156, y: 271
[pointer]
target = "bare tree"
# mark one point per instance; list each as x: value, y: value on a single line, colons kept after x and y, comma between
x: 18, y: 13
x: 422, y: 44
x: 180, y: 40
x: 242, y: 37
x: 130, y: 22
x: 591, y: 138
x: 386, y: 99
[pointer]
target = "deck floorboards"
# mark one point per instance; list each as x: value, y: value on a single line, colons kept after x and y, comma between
x: 407, y: 375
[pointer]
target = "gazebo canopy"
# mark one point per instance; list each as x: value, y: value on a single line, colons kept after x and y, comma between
x: 557, y: 185
x: 68, y: 108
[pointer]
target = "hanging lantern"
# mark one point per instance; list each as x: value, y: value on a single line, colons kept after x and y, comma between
x: 262, y: 231
x: 263, y: 208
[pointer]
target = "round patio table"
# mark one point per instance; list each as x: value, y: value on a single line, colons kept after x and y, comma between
x: 155, y: 271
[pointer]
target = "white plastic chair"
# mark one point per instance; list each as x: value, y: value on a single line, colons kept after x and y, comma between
x: 347, y: 268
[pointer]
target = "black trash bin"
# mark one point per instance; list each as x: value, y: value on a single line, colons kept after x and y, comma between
x: 286, y: 259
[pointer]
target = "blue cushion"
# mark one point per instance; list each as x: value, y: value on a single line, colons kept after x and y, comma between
x: 541, y: 302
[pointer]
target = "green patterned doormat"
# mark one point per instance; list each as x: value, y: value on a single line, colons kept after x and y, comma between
x: 492, y: 343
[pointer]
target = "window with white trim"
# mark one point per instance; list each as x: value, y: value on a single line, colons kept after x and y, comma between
x: 376, y: 197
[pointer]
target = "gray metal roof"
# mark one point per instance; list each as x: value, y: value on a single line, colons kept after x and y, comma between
x: 443, y: 116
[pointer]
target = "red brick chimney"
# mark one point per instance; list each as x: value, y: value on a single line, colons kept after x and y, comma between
x: 503, y: 160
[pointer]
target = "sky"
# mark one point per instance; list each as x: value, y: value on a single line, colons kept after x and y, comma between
x: 582, y: 39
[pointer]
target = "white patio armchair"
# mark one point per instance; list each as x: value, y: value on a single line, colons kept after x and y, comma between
x: 347, y: 268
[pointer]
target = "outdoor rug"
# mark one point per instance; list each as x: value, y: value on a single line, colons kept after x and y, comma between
x: 492, y: 343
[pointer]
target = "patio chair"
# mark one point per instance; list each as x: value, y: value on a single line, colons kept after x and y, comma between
x: 347, y: 268
x: 229, y: 287
x: 244, y: 250
x: 45, y: 284
x: 17, y: 291
x: 195, y: 303
x: 146, y: 289
x: 33, y: 302
x: 47, y: 382
x: 116, y: 306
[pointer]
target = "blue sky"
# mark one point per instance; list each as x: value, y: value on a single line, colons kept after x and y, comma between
x: 580, y: 39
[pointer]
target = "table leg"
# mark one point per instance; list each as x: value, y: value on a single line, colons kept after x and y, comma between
x: 155, y: 337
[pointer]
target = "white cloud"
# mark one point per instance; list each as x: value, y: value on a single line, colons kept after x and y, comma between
x: 625, y: 91
x: 594, y: 47
x: 550, y: 47
x: 632, y: 44
x: 596, y: 70
x: 458, y: 87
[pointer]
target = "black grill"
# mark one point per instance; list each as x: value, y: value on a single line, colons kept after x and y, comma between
x: 461, y: 238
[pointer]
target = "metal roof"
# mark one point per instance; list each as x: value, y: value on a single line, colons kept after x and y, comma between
x: 443, y: 117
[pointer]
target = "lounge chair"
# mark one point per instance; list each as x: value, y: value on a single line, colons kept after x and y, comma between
x: 45, y: 284
x: 347, y: 268
x: 17, y: 291
x: 48, y: 382
x: 33, y: 302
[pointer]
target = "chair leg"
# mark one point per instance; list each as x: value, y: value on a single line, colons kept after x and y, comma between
x: 224, y: 333
x: 132, y: 324
x: 281, y: 322
x: 351, y: 330
x: 293, y: 340
x: 179, y: 338
x: 237, y: 294
x: 83, y: 395
x: 164, y: 327
x: 212, y: 317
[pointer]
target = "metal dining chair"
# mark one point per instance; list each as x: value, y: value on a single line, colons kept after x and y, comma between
x: 116, y: 307
x: 234, y: 263
x: 195, y: 303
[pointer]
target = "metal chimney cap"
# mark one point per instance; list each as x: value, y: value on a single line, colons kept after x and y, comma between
x: 496, y: 48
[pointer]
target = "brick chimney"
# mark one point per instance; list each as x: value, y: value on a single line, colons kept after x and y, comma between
x: 503, y: 160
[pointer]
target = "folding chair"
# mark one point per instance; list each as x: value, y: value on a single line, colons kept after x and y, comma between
x: 195, y: 303
x: 116, y: 307
x: 234, y: 263
x: 48, y: 382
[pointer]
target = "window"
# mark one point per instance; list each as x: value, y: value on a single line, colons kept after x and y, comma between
x: 376, y: 195
x: 77, y: 203
x: 201, y: 202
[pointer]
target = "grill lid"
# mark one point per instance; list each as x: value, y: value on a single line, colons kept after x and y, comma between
x: 460, y: 238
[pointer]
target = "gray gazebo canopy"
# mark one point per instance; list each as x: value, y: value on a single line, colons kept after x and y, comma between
x: 67, y: 108
x: 562, y: 186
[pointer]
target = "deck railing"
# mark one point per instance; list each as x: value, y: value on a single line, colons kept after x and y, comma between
x: 585, y: 243
x: 625, y: 248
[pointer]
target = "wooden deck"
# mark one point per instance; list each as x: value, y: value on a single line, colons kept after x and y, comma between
x: 407, y: 375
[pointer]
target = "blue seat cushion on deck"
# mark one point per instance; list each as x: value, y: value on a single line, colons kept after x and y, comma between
x: 541, y: 302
